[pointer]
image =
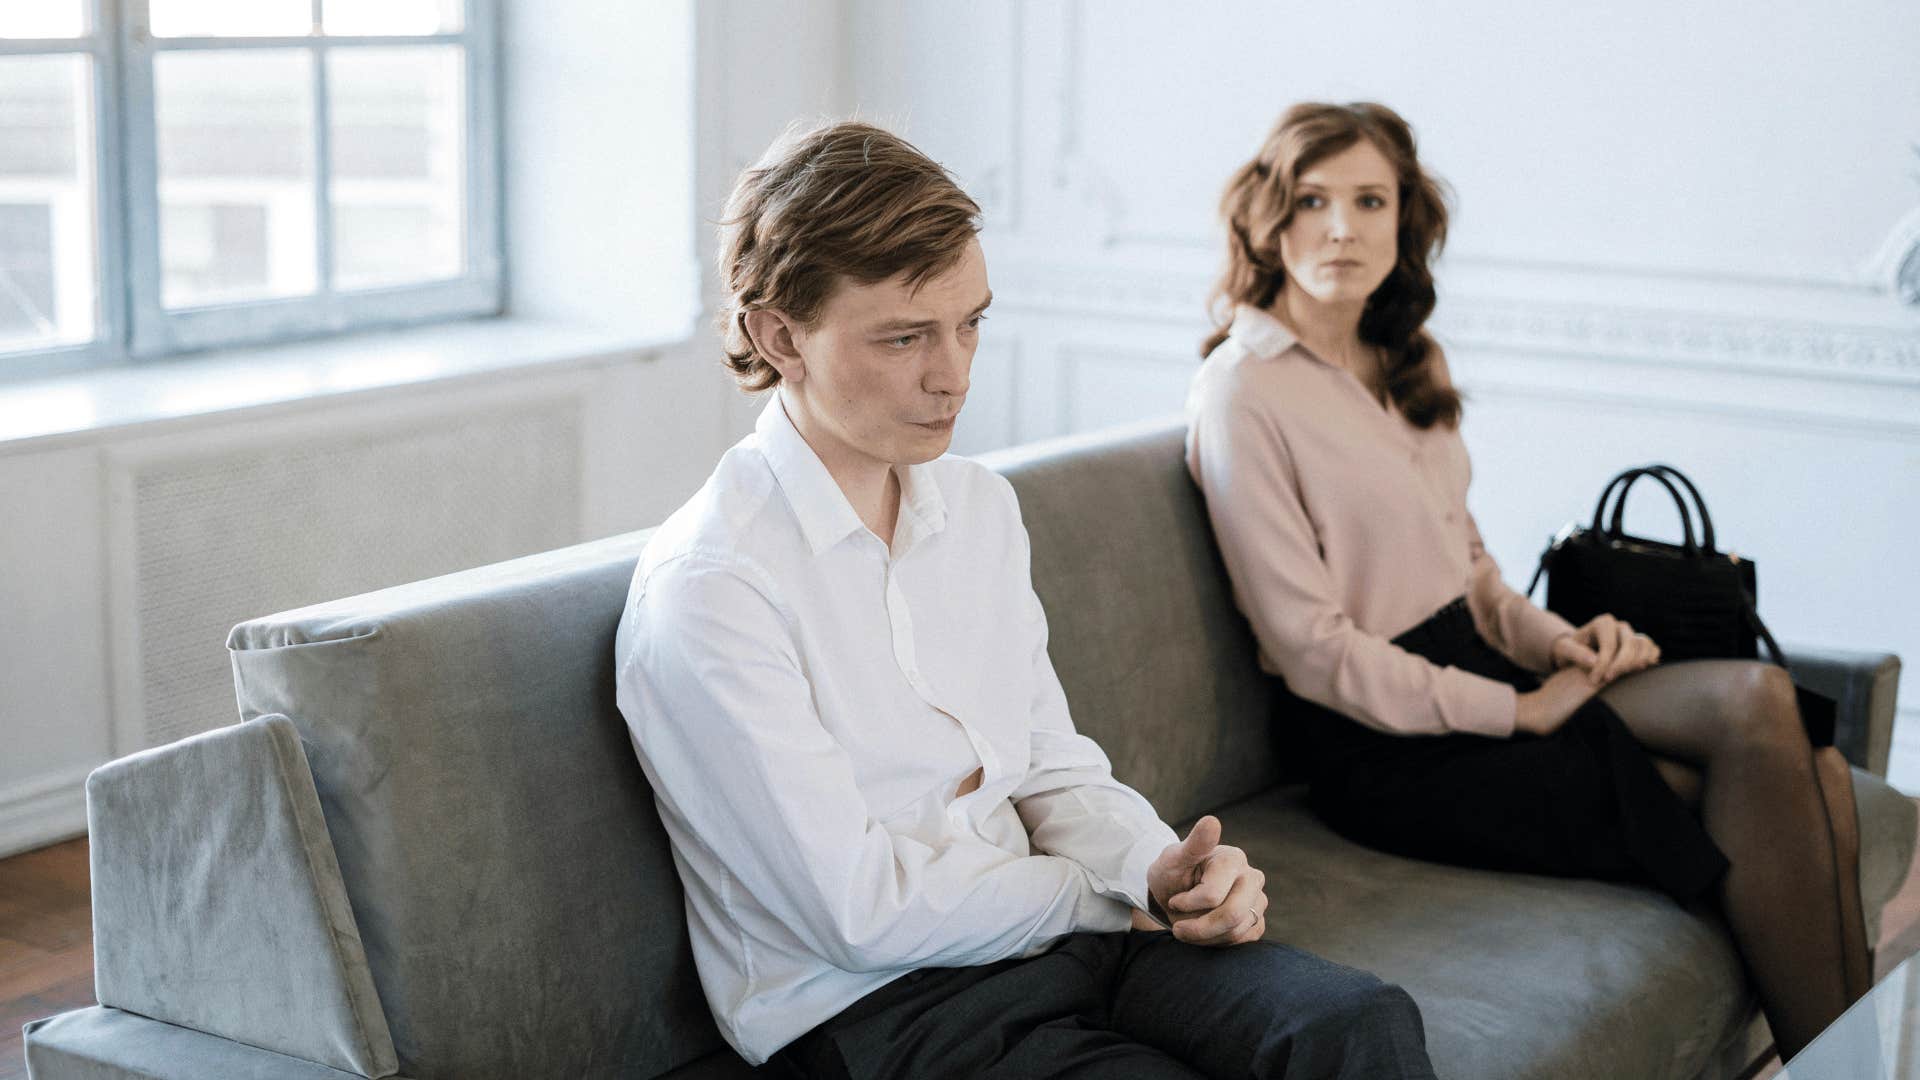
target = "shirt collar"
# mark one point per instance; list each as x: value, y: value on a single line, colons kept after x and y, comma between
x: 923, y: 510
x: 825, y: 515
x: 1260, y: 333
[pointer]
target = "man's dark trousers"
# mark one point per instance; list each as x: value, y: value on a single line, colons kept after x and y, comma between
x: 1137, y: 1004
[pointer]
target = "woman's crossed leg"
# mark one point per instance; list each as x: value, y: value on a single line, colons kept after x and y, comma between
x: 1727, y: 736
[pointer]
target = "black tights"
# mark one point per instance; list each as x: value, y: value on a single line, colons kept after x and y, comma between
x: 1727, y: 737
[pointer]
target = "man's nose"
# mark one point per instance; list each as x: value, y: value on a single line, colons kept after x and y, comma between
x: 948, y: 370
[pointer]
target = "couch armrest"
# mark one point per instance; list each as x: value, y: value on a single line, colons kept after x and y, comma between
x: 218, y: 904
x: 108, y: 1044
x: 1865, y: 685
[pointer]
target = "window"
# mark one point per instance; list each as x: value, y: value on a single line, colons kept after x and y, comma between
x: 182, y: 174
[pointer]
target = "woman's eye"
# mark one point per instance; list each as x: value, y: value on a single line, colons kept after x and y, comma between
x: 1372, y: 202
x: 1309, y: 202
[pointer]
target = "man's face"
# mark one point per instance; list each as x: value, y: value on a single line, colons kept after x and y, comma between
x: 886, y: 366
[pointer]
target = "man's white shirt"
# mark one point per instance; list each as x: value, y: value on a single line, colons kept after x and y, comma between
x: 806, y: 703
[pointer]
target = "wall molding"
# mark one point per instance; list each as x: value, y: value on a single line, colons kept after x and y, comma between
x: 1718, y: 341
x: 1774, y: 345
x: 44, y: 810
x: 1893, y: 268
x: 1646, y: 403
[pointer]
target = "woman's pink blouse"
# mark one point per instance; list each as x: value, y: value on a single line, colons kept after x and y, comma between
x: 1342, y: 526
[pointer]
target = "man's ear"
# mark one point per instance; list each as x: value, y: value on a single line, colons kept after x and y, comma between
x: 773, y: 334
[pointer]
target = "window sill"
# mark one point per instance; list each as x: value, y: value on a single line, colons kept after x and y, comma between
x: 40, y: 414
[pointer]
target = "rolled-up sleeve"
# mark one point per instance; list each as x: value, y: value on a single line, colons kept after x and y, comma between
x: 1508, y: 620
x: 1240, y: 459
x: 721, y: 711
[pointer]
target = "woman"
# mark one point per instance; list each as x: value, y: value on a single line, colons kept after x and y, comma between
x: 1449, y: 718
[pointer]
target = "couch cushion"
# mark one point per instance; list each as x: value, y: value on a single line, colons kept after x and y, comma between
x: 513, y: 887
x: 1522, y: 976
x: 108, y: 1044
x: 1158, y: 665
x: 217, y: 902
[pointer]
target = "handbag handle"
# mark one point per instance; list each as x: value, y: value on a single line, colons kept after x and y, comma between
x: 1625, y: 481
x: 1599, y: 513
x: 1600, y: 508
x: 1699, y: 506
x: 1699, y: 503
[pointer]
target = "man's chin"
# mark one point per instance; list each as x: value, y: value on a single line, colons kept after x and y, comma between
x: 929, y: 441
x: 925, y: 452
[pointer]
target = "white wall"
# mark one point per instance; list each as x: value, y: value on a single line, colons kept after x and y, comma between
x: 623, y: 126
x: 1662, y: 222
x: 1661, y: 215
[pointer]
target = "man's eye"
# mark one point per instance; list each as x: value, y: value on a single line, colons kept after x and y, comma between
x: 904, y: 341
x: 974, y: 323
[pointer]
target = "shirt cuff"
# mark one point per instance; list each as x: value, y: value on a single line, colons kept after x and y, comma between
x: 1099, y: 914
x: 1477, y: 705
x: 1132, y: 884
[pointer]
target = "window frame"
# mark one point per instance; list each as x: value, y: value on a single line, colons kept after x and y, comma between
x: 131, y: 322
x: 109, y: 266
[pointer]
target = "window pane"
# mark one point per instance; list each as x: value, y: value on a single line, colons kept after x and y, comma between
x: 236, y: 175
x: 229, y: 18
x: 47, y: 268
x: 399, y: 163
x: 391, y: 16
x: 42, y: 19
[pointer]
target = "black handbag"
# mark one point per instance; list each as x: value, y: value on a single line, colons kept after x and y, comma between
x: 1695, y: 601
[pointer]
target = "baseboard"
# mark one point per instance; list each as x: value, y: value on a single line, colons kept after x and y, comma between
x: 1903, y: 760
x: 43, y: 811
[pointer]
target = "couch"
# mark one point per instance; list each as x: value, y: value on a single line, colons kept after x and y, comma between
x: 427, y: 850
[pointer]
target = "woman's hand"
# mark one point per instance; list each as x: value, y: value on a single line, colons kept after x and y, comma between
x: 1542, y: 711
x: 1606, y: 649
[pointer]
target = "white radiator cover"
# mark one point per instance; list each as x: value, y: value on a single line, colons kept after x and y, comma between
x: 209, y: 535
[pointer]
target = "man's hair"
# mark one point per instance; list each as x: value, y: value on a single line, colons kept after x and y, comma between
x: 844, y: 201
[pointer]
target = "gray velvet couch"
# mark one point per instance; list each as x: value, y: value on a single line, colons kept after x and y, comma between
x: 427, y: 851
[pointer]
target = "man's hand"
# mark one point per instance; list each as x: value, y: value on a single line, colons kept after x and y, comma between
x: 1212, y: 896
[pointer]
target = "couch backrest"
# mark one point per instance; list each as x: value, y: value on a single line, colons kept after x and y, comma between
x: 1159, y: 666
x: 514, y: 890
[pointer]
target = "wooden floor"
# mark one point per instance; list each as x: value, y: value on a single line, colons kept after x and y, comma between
x: 46, y: 940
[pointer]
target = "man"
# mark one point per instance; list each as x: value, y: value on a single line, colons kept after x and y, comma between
x: 899, y: 857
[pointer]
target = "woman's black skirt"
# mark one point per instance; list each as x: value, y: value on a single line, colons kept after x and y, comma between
x: 1585, y: 801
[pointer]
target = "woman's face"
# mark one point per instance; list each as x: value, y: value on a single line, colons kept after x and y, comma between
x: 1344, y: 237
